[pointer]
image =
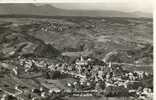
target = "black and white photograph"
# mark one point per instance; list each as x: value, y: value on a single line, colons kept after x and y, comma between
x: 76, y: 51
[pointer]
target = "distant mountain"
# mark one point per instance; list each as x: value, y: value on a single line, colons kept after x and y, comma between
x: 48, y: 10
x: 141, y: 14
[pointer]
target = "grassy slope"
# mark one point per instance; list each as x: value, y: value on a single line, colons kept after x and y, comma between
x: 131, y: 38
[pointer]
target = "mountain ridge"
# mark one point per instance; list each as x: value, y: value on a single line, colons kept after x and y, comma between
x: 48, y: 10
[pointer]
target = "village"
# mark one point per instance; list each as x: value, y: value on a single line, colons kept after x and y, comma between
x: 75, y: 57
x: 88, y: 79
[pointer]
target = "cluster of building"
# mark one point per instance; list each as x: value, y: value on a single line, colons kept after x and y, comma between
x: 90, y: 78
x: 59, y: 27
x: 46, y: 26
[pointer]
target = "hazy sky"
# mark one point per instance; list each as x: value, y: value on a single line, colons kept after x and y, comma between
x: 121, y: 5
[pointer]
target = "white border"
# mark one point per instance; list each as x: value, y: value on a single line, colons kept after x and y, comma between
x: 154, y: 51
x: 101, y: 1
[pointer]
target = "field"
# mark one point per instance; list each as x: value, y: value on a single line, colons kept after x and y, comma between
x: 128, y: 40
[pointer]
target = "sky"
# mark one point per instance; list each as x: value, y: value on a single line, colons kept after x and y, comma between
x: 119, y: 5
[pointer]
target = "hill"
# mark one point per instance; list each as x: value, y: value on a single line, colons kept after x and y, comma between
x: 125, y: 40
x: 49, y: 10
x: 15, y: 42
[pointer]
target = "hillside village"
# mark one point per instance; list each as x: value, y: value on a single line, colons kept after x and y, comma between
x: 86, y: 79
x: 69, y: 57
